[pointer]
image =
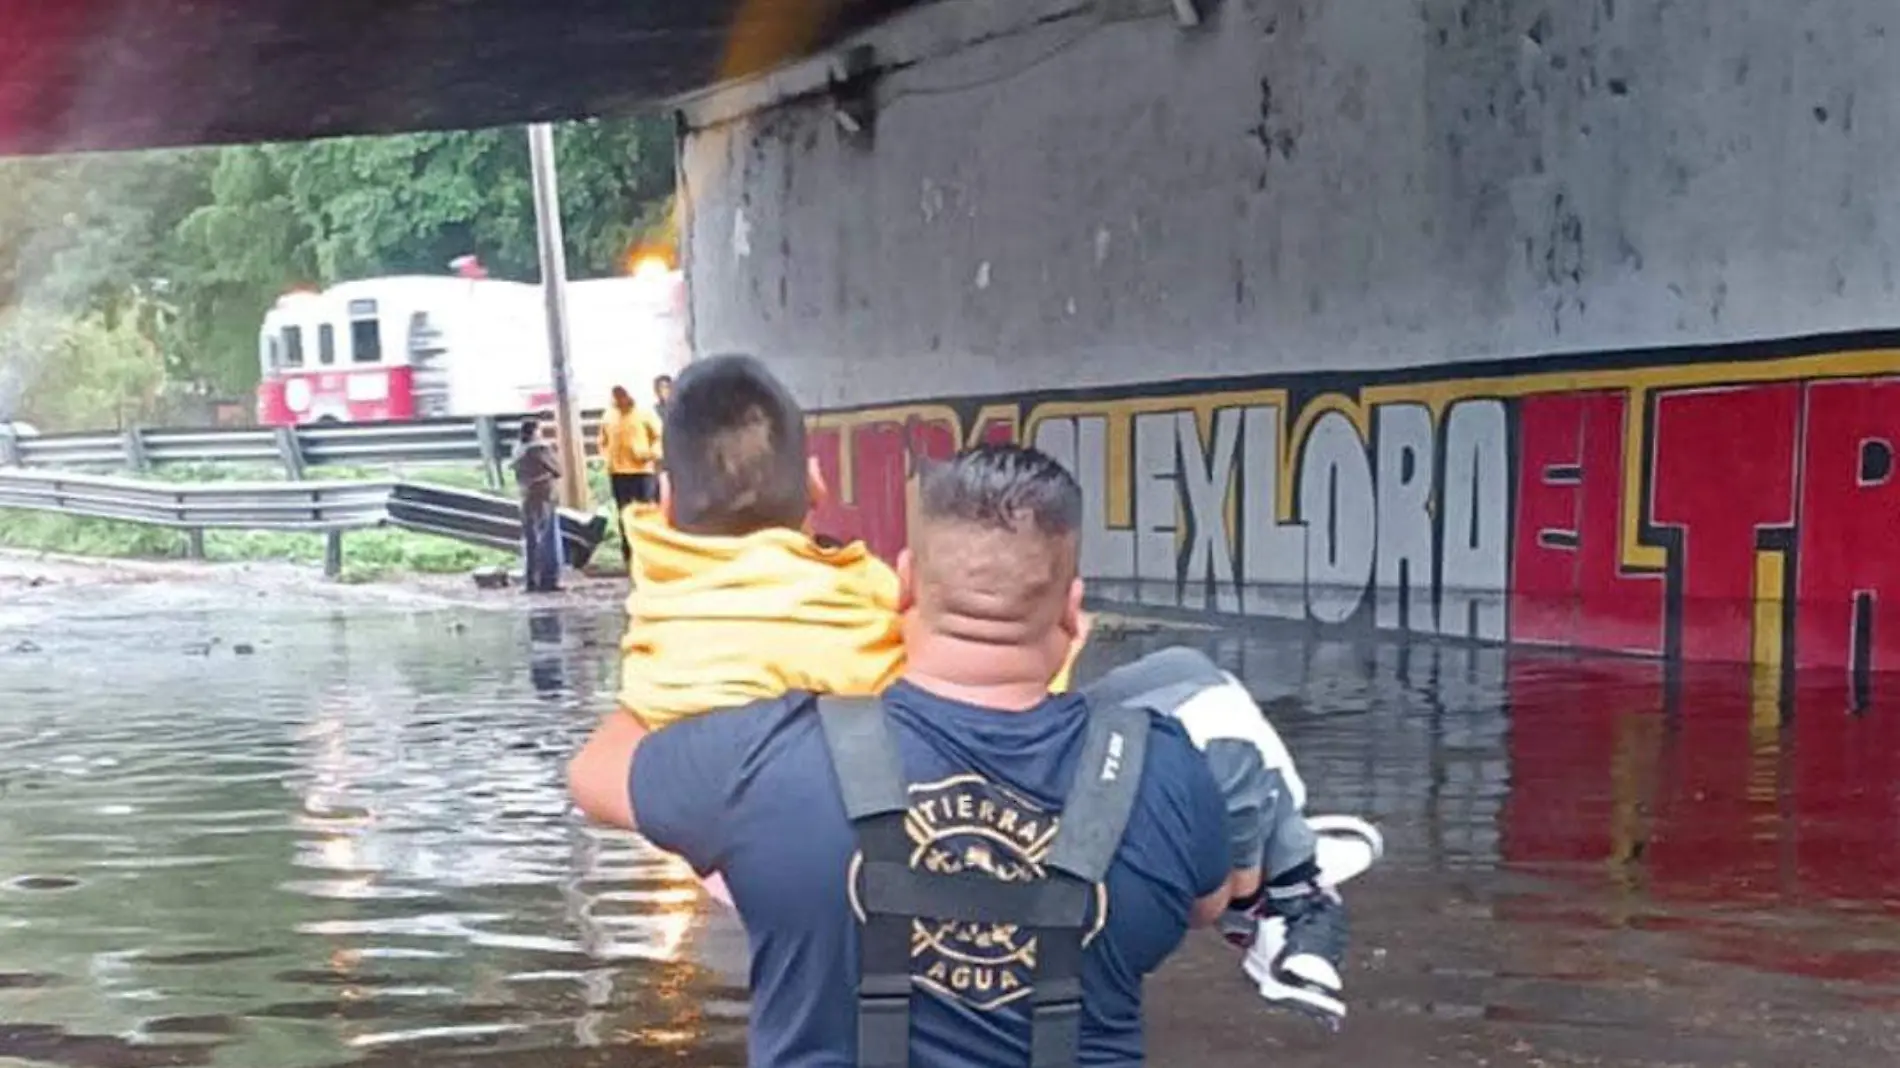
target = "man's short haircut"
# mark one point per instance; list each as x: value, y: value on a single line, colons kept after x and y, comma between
x: 996, y: 546
x: 1003, y: 487
x: 735, y: 449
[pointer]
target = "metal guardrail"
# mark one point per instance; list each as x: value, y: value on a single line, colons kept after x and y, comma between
x: 484, y: 440
x: 479, y: 519
x: 328, y: 508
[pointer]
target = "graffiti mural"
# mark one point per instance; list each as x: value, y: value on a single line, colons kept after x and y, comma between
x: 1724, y: 504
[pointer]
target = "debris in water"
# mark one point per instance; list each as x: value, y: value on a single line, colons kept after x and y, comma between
x: 42, y: 882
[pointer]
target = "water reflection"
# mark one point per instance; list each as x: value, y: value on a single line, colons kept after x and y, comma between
x: 354, y: 847
x: 357, y: 848
x: 1750, y: 818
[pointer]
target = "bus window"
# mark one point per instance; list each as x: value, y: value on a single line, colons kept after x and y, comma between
x: 366, y: 338
x: 366, y: 341
x: 326, y: 344
x: 293, y: 346
x: 268, y: 353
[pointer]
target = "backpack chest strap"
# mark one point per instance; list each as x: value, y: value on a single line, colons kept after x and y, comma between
x: 1053, y: 911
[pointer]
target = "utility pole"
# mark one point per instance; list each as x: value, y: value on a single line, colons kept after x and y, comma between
x: 553, y: 248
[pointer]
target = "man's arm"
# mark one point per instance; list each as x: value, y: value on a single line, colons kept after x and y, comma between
x: 599, y: 776
x: 676, y: 786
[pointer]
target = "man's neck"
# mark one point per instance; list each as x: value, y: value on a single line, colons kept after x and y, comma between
x: 1006, y: 679
x: 996, y: 697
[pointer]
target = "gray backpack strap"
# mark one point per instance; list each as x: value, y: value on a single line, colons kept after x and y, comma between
x: 870, y: 774
x: 1107, y: 777
x: 871, y: 780
x: 1103, y: 795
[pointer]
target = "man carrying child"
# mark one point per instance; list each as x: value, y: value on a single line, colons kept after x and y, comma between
x: 739, y: 608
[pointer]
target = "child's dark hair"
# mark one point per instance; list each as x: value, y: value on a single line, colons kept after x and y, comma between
x: 735, y: 449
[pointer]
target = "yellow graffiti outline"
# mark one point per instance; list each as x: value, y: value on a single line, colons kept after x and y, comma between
x: 1011, y: 414
x: 846, y: 423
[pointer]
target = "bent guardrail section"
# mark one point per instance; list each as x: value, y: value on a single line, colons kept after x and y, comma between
x: 328, y: 508
x: 479, y: 519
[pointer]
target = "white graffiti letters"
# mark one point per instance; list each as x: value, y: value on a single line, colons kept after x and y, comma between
x: 1477, y: 559
x: 1341, y: 520
x: 1241, y: 508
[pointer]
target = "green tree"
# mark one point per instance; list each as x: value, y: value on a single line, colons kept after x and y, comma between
x: 99, y: 373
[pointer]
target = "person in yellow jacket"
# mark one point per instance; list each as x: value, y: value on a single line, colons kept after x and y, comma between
x: 630, y: 446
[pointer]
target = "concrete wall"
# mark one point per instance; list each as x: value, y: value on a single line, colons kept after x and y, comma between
x: 1456, y: 317
x: 1303, y: 184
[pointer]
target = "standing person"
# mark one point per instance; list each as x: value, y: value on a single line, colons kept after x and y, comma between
x: 967, y: 868
x: 662, y: 395
x: 630, y: 447
x: 537, y: 473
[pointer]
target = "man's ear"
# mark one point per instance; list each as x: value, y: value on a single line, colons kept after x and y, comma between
x: 1075, y: 621
x: 906, y: 581
x: 666, y: 497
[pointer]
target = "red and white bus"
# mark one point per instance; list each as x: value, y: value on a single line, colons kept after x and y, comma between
x: 417, y: 347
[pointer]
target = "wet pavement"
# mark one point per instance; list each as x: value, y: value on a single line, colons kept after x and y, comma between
x: 278, y: 829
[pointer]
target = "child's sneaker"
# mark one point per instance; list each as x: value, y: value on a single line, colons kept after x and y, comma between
x: 1296, y: 940
x: 1296, y: 952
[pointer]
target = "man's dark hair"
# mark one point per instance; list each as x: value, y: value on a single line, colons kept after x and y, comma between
x: 661, y: 380
x: 530, y: 428
x: 735, y: 449
x: 1003, y: 487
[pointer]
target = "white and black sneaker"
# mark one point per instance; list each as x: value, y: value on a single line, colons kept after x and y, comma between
x: 1298, y: 947
x: 1295, y: 934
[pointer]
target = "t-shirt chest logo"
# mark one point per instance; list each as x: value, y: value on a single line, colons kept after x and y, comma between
x: 966, y: 824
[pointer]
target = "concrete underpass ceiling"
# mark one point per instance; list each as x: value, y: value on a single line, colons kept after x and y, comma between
x: 80, y: 75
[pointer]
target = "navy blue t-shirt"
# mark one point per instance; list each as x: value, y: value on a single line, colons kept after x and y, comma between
x: 750, y: 793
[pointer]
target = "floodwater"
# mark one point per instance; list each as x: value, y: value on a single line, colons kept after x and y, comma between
x: 279, y: 832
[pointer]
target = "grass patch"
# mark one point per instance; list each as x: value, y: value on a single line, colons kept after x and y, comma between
x: 50, y: 533
x: 368, y: 555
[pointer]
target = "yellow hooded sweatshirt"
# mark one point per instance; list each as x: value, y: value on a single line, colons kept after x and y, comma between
x: 718, y: 622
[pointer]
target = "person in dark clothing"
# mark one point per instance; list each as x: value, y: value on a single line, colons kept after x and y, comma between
x: 975, y: 767
x: 537, y: 473
x: 662, y: 395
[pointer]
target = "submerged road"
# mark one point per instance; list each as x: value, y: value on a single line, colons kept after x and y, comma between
x: 281, y: 827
